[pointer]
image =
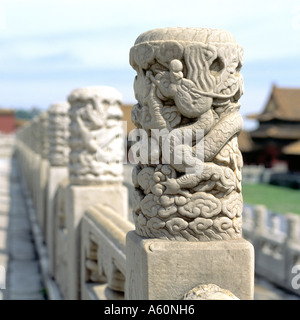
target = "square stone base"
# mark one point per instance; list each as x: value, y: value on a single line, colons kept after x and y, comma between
x: 78, y: 200
x: 41, y: 193
x: 55, y: 176
x: 166, y: 270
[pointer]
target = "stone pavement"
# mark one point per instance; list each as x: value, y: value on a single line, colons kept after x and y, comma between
x: 18, y: 258
x: 264, y: 290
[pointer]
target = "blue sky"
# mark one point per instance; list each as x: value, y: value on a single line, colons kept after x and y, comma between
x: 48, y: 48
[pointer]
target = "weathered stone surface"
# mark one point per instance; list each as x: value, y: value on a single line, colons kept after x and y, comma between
x: 187, y: 86
x: 103, y: 245
x: 40, y: 193
x: 102, y: 292
x: 58, y: 262
x: 95, y: 166
x: 3, y: 239
x: 96, y: 136
x: 58, y: 133
x: 56, y: 174
x: 42, y: 135
x: 3, y: 222
x: 160, y: 269
x: 3, y: 259
x: 209, y: 292
x: 4, y: 208
x: 78, y: 200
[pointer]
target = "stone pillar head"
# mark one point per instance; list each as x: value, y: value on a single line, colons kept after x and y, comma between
x: 96, y: 136
x: 43, y: 129
x: 188, y: 84
x: 58, y: 133
x: 275, y: 224
x: 260, y: 218
x: 293, y: 227
x: 248, y: 217
x: 206, y: 62
x: 35, y: 141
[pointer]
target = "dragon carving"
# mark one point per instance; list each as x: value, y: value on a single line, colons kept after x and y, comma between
x: 96, y: 136
x: 188, y: 80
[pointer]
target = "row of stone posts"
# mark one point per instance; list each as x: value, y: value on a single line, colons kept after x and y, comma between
x: 69, y: 142
x: 276, y: 240
x: 188, y: 214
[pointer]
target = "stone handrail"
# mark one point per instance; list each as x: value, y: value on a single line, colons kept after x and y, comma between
x: 274, y: 237
x: 103, y: 253
x: 53, y: 169
x: 58, y: 254
x: 276, y: 240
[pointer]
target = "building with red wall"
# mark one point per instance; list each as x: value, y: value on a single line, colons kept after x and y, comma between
x: 8, y: 122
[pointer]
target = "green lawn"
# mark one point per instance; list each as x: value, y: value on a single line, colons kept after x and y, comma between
x: 277, y: 199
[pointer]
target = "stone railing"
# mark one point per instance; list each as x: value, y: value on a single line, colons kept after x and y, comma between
x: 187, y: 216
x: 103, y: 254
x: 276, y: 241
x: 67, y: 167
x: 277, y: 175
x: 253, y: 174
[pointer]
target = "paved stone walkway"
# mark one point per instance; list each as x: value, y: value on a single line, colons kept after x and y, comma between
x: 264, y: 290
x: 22, y: 279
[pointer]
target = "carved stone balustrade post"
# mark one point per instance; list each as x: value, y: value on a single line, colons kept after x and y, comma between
x: 42, y: 170
x: 276, y: 225
x: 96, y: 136
x: 292, y: 251
x: 248, y: 223
x: 260, y: 219
x: 188, y: 200
x: 27, y: 154
x: 28, y: 142
x: 44, y: 144
x: 58, y: 134
x: 35, y: 143
x: 22, y: 148
x: 260, y: 228
x: 293, y: 227
x: 95, y: 164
